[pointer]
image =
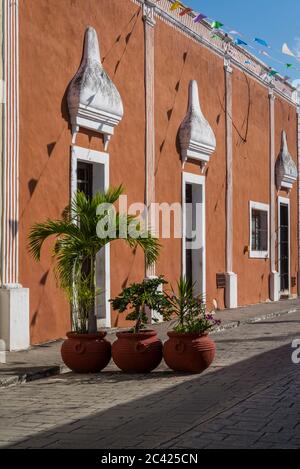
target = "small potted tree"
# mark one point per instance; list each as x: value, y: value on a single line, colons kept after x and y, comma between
x: 139, y: 350
x: 189, y: 348
x: 76, y: 244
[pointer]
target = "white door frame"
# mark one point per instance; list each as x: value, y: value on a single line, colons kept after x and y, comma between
x: 190, y: 178
x: 96, y: 157
x: 284, y: 201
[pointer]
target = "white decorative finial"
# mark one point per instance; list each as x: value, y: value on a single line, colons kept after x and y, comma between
x: 91, y: 45
x: 93, y: 99
x: 197, y: 138
x: 286, y: 169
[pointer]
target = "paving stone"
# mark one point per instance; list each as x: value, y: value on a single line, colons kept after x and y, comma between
x: 249, y: 398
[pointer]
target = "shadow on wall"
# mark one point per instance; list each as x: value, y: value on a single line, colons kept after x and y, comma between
x: 33, y: 183
x: 125, y: 282
x: 169, y: 116
x: 243, y: 137
x: 42, y: 282
x: 123, y: 425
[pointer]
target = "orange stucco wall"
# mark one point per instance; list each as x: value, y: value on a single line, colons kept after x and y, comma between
x: 175, y: 65
x: 251, y: 160
x: 51, y: 39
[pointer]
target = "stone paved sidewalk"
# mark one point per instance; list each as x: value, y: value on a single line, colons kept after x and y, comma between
x: 249, y: 398
x: 42, y: 361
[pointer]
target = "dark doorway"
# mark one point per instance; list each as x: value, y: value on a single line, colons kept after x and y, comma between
x: 194, y: 236
x: 85, y: 185
x: 85, y: 178
x: 284, y: 248
x: 188, y: 252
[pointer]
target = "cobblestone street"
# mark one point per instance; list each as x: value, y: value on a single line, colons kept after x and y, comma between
x: 248, y: 398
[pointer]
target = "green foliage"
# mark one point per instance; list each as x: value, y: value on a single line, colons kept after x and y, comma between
x: 76, y: 245
x: 189, y: 311
x: 82, y: 298
x: 137, y: 297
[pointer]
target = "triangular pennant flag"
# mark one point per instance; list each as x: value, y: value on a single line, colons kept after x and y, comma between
x: 289, y: 65
x: 175, y: 6
x: 185, y: 11
x: 263, y: 52
x: 199, y: 18
x: 216, y: 25
x: 262, y: 42
x: 287, y: 51
x: 272, y: 73
x: 240, y: 42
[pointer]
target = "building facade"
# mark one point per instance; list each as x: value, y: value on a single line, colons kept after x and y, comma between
x: 101, y: 93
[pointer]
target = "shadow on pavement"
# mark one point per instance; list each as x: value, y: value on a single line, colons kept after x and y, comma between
x: 170, y: 404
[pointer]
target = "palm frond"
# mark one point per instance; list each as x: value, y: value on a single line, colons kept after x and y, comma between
x: 41, y: 231
x: 77, y: 241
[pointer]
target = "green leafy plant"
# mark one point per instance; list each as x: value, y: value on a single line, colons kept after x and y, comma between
x: 77, y: 243
x: 139, y: 296
x: 189, y: 311
x: 82, y: 298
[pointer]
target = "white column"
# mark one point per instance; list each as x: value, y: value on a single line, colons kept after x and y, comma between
x: 231, y: 277
x: 14, y: 300
x: 274, y: 275
x: 149, y: 23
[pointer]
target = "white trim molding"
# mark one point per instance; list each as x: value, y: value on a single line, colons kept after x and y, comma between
x: 190, y: 178
x: 149, y: 32
x: 10, y: 175
x: 253, y: 254
x: 229, y: 166
x: 14, y: 300
x: 201, y: 33
x: 274, y: 275
x: 148, y: 13
x: 103, y: 267
x: 231, y: 287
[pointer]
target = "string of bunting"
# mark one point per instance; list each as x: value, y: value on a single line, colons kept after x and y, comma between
x: 239, y: 39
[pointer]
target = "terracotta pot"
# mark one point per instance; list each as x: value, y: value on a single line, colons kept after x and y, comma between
x: 137, y: 353
x: 191, y: 353
x: 86, y: 353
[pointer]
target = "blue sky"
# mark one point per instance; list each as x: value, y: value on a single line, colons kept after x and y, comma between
x: 273, y: 20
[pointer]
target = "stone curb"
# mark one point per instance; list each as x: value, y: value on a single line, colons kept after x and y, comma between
x: 264, y: 317
x: 26, y: 377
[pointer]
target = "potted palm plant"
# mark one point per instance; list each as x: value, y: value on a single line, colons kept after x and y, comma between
x: 76, y: 245
x: 139, y: 350
x: 189, y: 348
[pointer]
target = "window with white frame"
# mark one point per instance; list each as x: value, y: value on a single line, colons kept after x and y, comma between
x: 259, y: 230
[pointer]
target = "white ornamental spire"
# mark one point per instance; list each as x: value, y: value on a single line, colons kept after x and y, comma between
x: 93, y: 99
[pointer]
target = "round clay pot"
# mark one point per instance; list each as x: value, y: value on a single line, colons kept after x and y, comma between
x: 190, y: 353
x: 86, y: 353
x: 137, y: 353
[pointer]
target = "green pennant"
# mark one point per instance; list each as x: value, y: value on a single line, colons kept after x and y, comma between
x: 272, y: 73
x: 289, y: 65
x: 216, y: 25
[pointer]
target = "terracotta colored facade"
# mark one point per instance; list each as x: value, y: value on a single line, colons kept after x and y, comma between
x: 51, y: 36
